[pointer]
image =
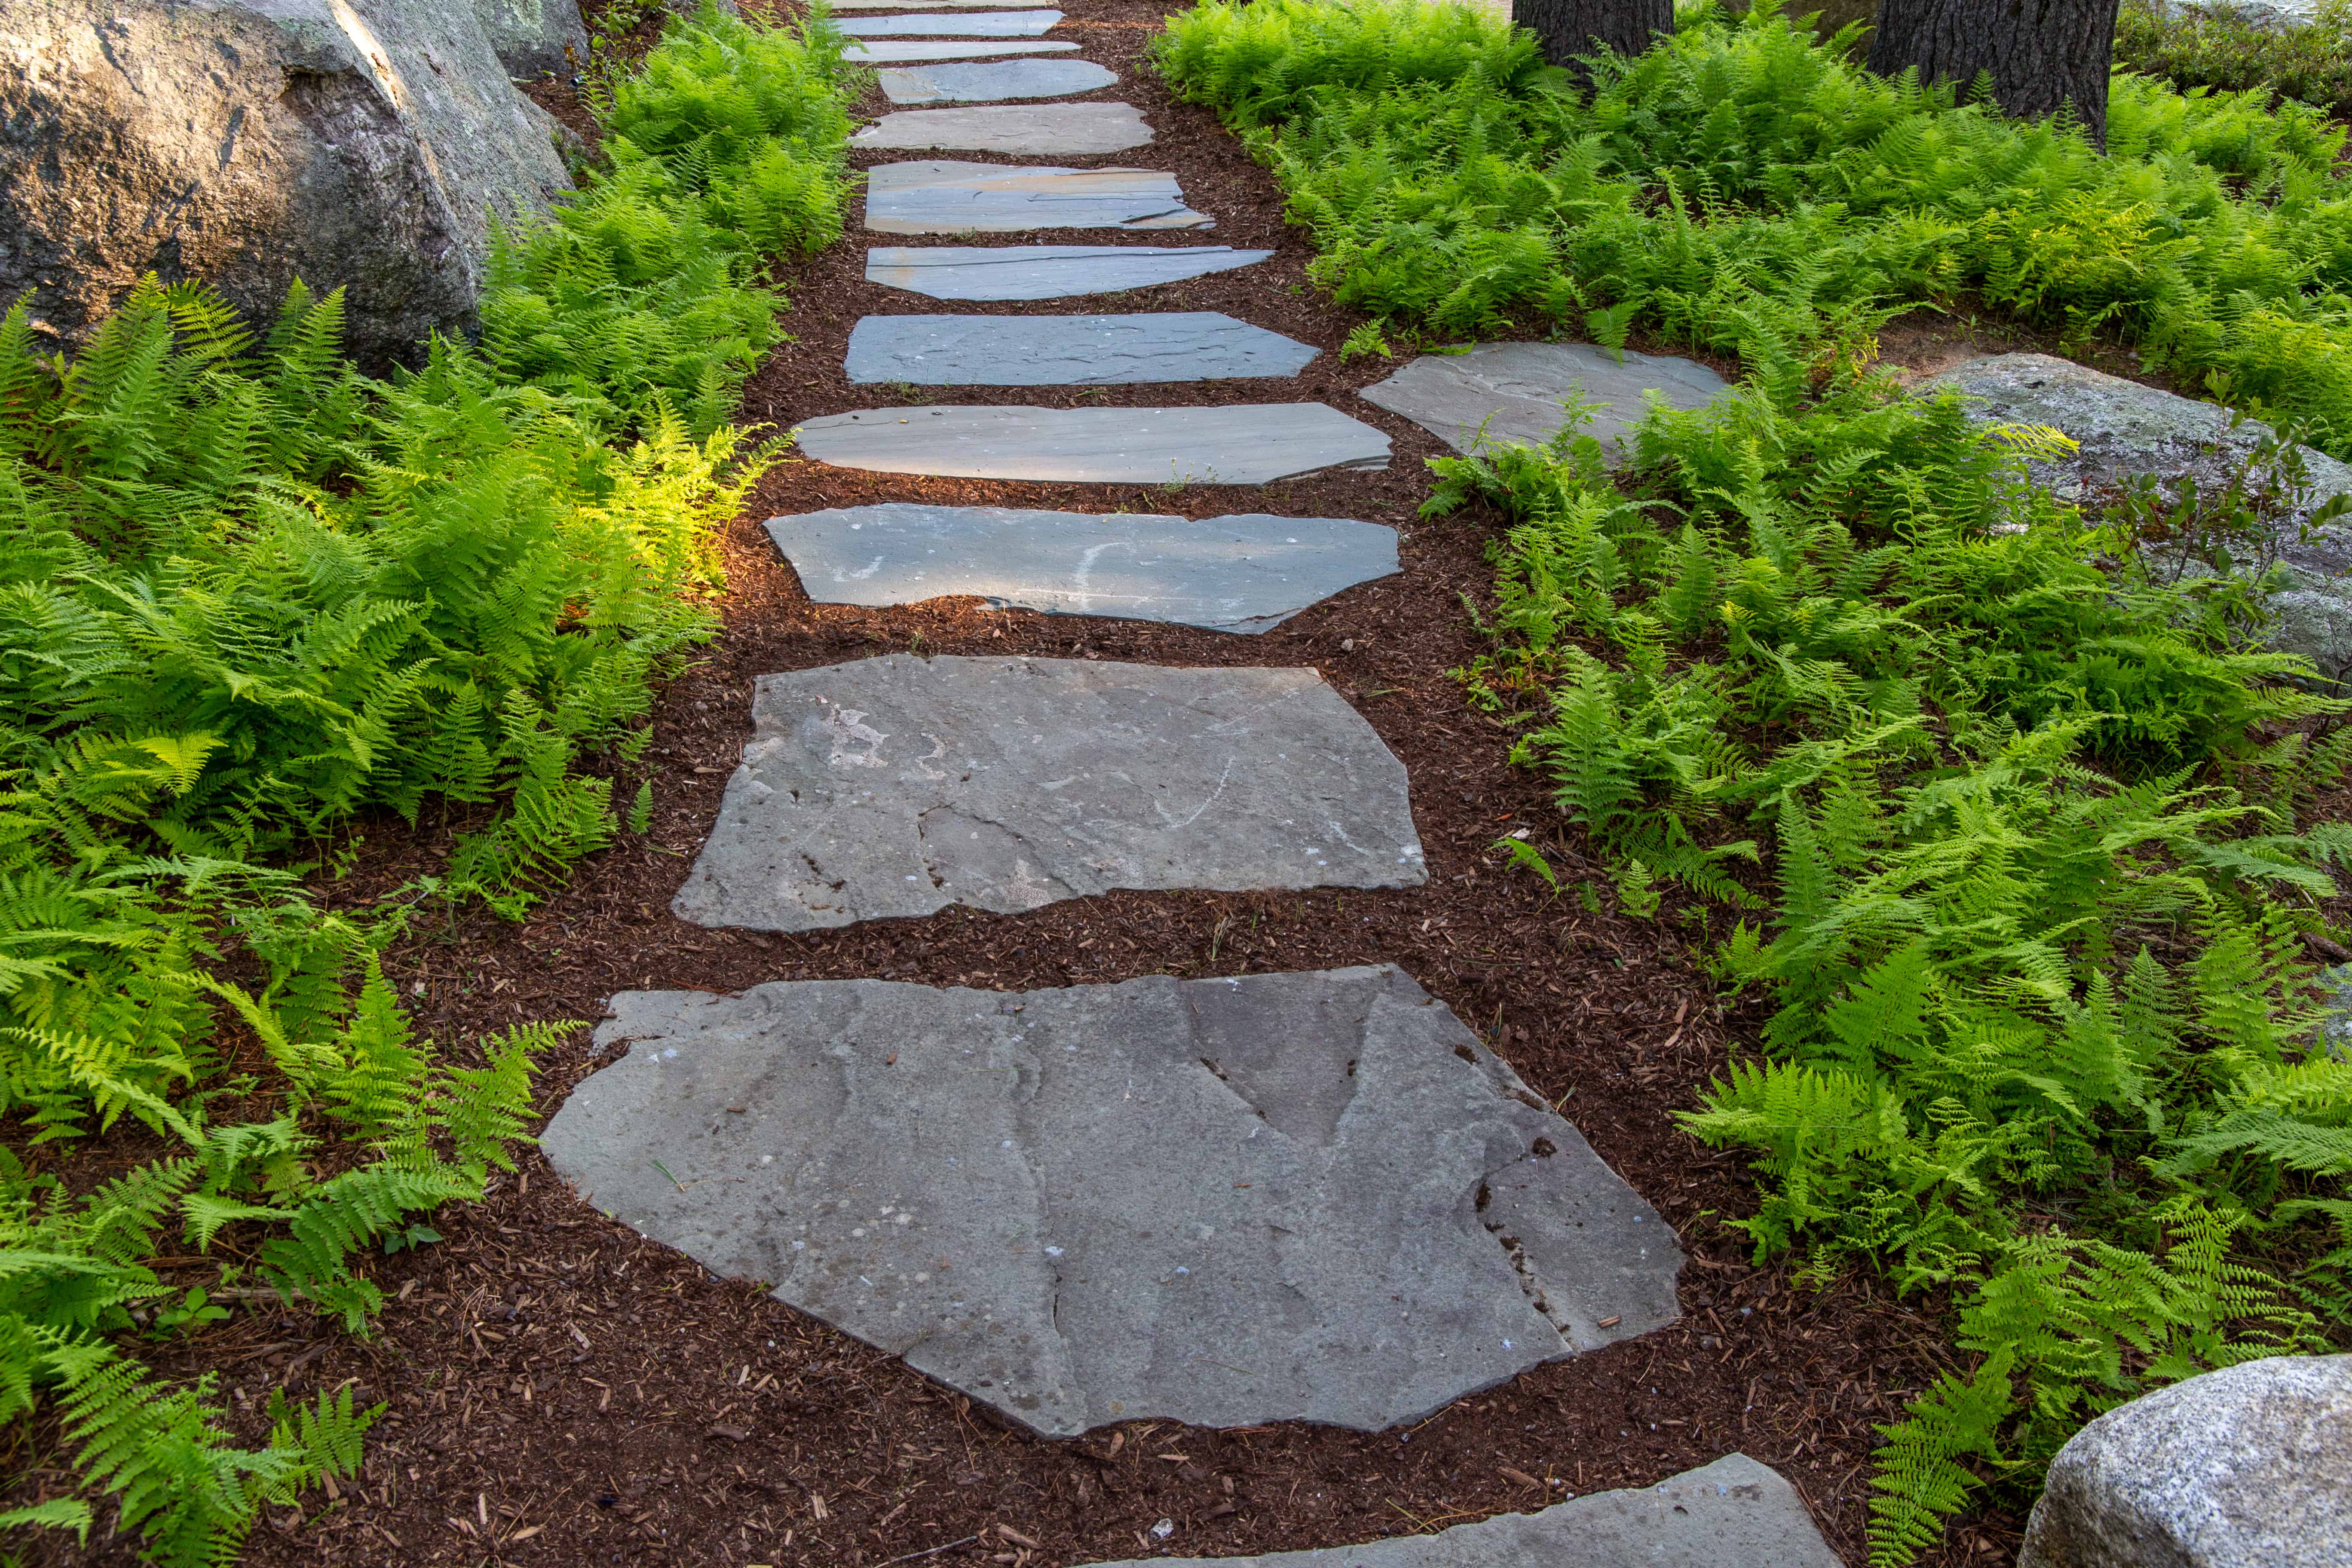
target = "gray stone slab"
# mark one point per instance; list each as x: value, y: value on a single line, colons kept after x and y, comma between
x: 939, y: 196
x: 900, y: 786
x: 894, y: 51
x: 1238, y: 444
x: 1310, y: 1196
x: 1513, y: 392
x: 1242, y: 573
x: 1045, y: 271
x: 918, y: 4
x: 985, y: 83
x: 1733, y: 1514
x: 1045, y: 129
x: 1068, y: 351
x: 971, y: 24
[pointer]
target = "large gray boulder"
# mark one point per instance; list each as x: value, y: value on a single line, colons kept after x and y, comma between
x: 532, y: 36
x: 2250, y: 1466
x: 362, y: 143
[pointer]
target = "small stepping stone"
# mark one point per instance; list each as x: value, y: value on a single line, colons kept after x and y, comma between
x: 1045, y: 271
x: 1051, y: 129
x: 1733, y: 1514
x: 974, y: 25
x: 890, y: 51
x: 935, y: 197
x: 1241, y: 444
x: 1305, y: 1196
x: 899, y: 786
x: 1514, y: 391
x: 917, y: 5
x: 1068, y: 351
x: 1244, y: 573
x: 983, y: 83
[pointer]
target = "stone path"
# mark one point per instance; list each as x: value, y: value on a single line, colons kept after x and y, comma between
x: 1513, y: 392
x: 1045, y: 271
x: 1068, y: 350
x: 1003, y: 79
x: 1062, y: 130
x: 939, y: 197
x: 890, y: 51
x: 1249, y: 444
x: 971, y: 25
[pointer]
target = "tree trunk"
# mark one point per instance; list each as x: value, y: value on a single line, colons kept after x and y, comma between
x: 1573, y: 28
x: 2043, y: 54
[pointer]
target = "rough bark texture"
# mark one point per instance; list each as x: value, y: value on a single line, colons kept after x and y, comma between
x: 1573, y: 28
x: 2043, y: 54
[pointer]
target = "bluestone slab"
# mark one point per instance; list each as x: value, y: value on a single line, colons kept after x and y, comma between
x: 900, y: 786
x: 1045, y: 271
x: 1068, y: 350
x: 971, y: 24
x: 1733, y: 1514
x: 1244, y: 573
x: 1310, y: 1196
x: 917, y: 5
x: 983, y: 83
x: 891, y: 51
x: 933, y: 196
x: 1238, y: 444
x: 1045, y: 129
x: 1513, y: 392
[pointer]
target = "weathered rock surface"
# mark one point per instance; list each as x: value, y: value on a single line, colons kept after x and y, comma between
x: 2250, y: 1466
x: 1244, y: 573
x: 249, y: 142
x: 890, y: 51
x: 900, y: 786
x: 1308, y: 1196
x: 531, y: 36
x: 2124, y: 429
x: 1513, y: 392
x: 984, y: 83
x: 1733, y: 1514
x: 1048, y: 130
x: 971, y: 25
x: 1068, y: 351
x: 917, y: 5
x: 935, y: 196
x: 1238, y: 444
x: 2270, y: 16
x: 1045, y: 271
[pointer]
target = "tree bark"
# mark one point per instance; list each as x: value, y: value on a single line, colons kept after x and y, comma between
x: 2043, y: 54
x: 1573, y: 28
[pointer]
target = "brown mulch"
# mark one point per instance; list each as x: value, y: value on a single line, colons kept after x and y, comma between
x: 560, y: 1391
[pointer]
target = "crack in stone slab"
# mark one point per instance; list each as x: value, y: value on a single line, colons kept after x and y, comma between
x: 940, y: 196
x: 994, y: 82
x: 1053, y: 1204
x: 1230, y: 444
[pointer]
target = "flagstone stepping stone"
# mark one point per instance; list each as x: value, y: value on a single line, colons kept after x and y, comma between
x: 1513, y: 392
x: 1045, y: 128
x: 1733, y: 1514
x: 1007, y: 79
x: 899, y: 786
x: 1068, y: 351
x: 918, y: 4
x: 1303, y: 1196
x: 933, y: 196
x: 1045, y: 271
x: 1239, y: 444
x: 973, y: 25
x: 1242, y: 573
x: 891, y: 51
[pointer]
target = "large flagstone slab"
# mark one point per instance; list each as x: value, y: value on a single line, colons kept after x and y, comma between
x: 893, y: 51
x: 1043, y: 129
x: 971, y: 24
x: 1068, y: 351
x: 918, y: 4
x: 939, y: 196
x: 1733, y: 1514
x: 994, y: 81
x: 1306, y: 1197
x: 1045, y: 271
x: 1242, y: 573
x: 1239, y: 444
x: 1513, y: 392
x: 899, y: 786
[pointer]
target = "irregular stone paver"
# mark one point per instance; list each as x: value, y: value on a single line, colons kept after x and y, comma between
x: 1239, y: 444
x: 1244, y: 573
x: 900, y: 786
x: 979, y: 83
x: 935, y: 196
x: 1047, y: 129
x: 973, y: 25
x: 892, y: 51
x: 1308, y: 1196
x: 1045, y: 271
x: 1733, y: 1514
x: 1068, y: 351
x: 918, y: 4
x: 1514, y: 391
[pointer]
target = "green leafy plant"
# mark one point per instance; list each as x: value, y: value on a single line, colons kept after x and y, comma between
x: 2212, y: 47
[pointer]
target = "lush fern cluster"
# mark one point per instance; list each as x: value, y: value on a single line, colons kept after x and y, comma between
x: 1747, y: 188
x: 2025, y: 884
x: 2211, y: 46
